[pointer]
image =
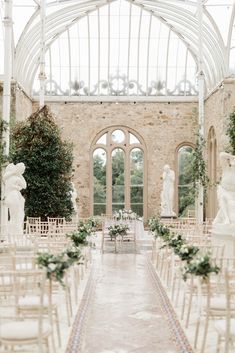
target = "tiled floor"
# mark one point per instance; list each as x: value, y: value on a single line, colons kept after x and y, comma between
x: 125, y: 314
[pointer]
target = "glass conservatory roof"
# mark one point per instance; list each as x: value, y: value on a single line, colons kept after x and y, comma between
x: 122, y: 47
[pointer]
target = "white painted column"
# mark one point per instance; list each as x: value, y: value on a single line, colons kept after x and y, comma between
x: 8, y: 24
x: 42, y: 74
x: 201, y: 116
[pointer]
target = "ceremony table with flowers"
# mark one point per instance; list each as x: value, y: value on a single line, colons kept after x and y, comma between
x: 123, y: 218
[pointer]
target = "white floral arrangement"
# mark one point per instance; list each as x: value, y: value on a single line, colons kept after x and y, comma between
x: 124, y: 214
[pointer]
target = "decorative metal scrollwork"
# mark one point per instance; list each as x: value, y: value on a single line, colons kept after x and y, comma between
x: 120, y: 85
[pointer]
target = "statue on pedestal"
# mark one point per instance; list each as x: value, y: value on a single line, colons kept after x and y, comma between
x: 167, y: 194
x: 226, y: 191
x: 14, y: 182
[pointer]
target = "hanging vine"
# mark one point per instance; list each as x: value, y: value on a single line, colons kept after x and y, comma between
x: 199, y: 170
x: 3, y: 157
x: 231, y: 132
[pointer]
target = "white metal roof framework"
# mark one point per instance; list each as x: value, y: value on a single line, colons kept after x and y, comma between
x: 178, y: 15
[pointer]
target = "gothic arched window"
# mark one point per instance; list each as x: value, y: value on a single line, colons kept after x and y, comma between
x: 118, y: 172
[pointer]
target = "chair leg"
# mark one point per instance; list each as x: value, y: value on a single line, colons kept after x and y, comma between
x: 178, y: 292
x: 218, y: 344
x: 205, y: 335
x: 189, y: 309
x: 183, y: 307
x: 57, y: 327
x: 197, y: 332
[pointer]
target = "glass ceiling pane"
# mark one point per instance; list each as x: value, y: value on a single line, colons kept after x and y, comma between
x: 221, y: 14
x: 137, y: 64
x: 125, y: 54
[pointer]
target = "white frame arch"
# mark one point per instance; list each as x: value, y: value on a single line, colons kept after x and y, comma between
x: 170, y: 12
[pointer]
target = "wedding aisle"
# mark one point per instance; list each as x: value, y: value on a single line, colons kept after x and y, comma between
x: 124, y: 309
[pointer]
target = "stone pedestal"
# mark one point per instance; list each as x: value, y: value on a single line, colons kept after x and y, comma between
x: 224, y: 235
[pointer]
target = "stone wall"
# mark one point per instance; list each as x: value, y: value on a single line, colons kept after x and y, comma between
x: 218, y: 106
x: 163, y: 127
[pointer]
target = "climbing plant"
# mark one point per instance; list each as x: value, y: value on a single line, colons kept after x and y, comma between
x: 199, y: 170
x: 3, y: 157
x: 48, y: 159
x: 231, y: 132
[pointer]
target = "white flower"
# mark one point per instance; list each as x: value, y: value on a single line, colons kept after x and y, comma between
x: 52, y: 267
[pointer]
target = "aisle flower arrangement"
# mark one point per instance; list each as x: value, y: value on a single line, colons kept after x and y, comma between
x: 200, y: 266
x: 118, y: 229
x: 195, y: 264
x: 56, y: 265
x: 187, y: 252
x: 79, y: 236
x: 159, y: 229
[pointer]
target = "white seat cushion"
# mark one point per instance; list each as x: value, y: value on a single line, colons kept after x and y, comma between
x: 24, y: 266
x: 22, y: 330
x: 220, y: 326
x: 219, y: 303
x: 32, y: 301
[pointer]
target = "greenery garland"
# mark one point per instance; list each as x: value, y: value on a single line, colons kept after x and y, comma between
x: 199, y: 170
x: 56, y: 265
x: 231, y: 132
x: 195, y: 263
x: 3, y: 157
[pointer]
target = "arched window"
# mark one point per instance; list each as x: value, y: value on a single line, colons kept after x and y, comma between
x: 118, y: 174
x: 212, y: 166
x: 186, y: 200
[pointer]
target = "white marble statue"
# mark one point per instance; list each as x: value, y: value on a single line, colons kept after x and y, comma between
x: 14, y: 182
x: 167, y: 194
x: 226, y: 191
x: 74, y: 195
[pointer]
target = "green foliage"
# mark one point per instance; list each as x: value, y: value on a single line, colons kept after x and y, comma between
x: 118, y: 229
x: 79, y: 236
x: 199, y: 172
x: 56, y: 265
x: 3, y: 158
x: 176, y: 242
x: 200, y: 266
x: 231, y: 131
x: 37, y: 143
x: 187, y: 252
x: 159, y: 229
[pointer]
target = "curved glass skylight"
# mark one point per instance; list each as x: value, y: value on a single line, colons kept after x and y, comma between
x: 122, y: 47
x: 119, y: 49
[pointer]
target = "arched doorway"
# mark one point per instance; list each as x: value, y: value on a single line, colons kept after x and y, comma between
x: 118, y: 172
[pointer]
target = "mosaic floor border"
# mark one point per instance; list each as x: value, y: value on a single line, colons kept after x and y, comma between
x: 79, y: 324
x: 177, y: 333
